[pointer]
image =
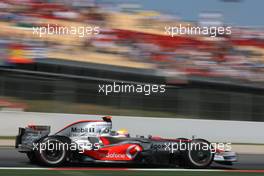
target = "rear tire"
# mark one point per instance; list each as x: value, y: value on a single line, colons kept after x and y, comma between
x: 53, y: 156
x: 32, y: 157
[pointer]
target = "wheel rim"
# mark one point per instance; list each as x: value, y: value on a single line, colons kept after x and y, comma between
x: 53, y: 155
x: 199, y: 156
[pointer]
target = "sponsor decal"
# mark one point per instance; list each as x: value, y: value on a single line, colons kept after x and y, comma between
x: 132, y: 151
x: 112, y: 155
x: 115, y: 155
x: 129, y: 153
x: 82, y: 130
x: 158, y: 146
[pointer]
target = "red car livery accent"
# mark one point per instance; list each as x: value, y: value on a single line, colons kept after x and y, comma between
x: 125, y: 152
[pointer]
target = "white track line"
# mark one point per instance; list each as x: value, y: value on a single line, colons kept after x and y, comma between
x: 175, y: 170
x: 114, y: 169
x: 128, y: 169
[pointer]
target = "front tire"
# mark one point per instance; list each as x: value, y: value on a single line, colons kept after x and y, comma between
x: 200, y: 155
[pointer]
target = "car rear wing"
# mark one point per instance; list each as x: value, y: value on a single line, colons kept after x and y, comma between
x: 27, y: 136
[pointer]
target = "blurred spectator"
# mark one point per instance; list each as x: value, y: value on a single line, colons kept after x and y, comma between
x: 239, y: 56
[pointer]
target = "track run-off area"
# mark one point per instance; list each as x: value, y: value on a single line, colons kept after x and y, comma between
x: 15, y: 163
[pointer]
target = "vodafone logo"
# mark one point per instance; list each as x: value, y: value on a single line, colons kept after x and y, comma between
x: 115, y: 155
x: 132, y: 151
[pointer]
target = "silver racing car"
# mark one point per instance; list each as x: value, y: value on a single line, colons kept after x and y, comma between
x: 94, y: 141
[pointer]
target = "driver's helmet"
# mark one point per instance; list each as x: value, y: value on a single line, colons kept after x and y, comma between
x: 122, y: 133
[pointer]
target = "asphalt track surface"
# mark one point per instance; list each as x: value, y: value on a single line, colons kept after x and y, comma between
x: 10, y: 157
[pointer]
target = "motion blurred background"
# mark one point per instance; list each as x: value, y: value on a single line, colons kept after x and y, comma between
x: 207, y: 77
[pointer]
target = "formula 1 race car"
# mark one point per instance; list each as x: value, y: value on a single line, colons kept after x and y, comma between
x: 94, y: 141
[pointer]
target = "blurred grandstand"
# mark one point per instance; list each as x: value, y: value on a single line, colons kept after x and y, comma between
x: 207, y: 77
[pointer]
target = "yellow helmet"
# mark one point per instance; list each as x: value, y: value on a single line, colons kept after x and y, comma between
x: 122, y: 132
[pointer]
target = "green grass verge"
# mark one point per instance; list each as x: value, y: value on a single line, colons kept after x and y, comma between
x: 8, y: 137
x: 119, y: 173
